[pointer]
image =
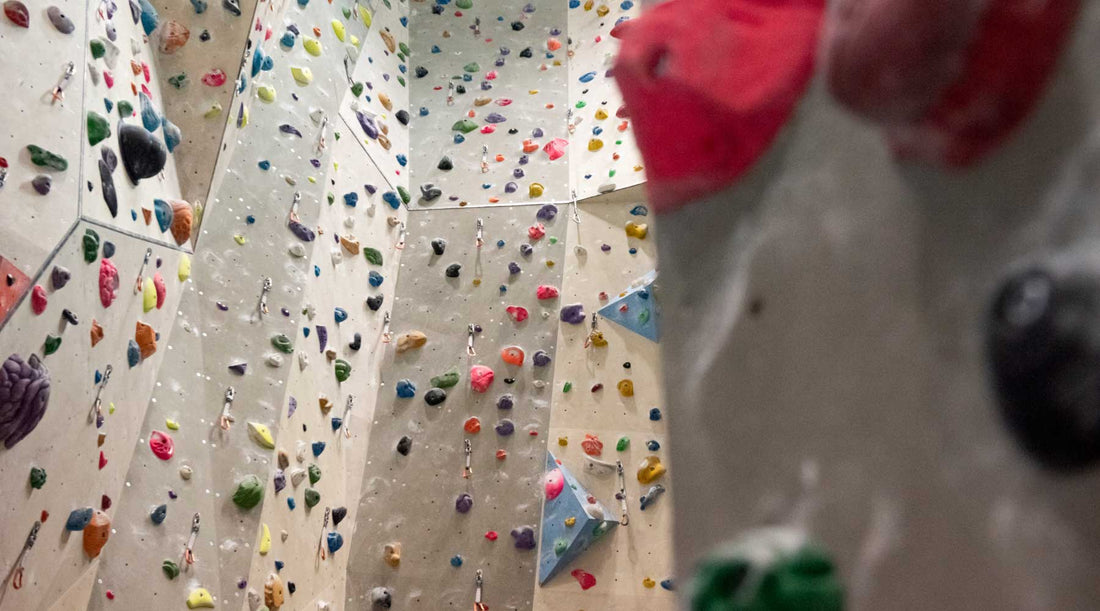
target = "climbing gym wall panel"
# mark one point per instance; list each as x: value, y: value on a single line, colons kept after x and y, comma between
x: 262, y: 226
x: 94, y: 337
x: 489, y: 94
x: 347, y: 305
x: 607, y: 407
x: 376, y: 108
x: 129, y: 158
x: 603, y: 154
x: 198, y: 48
x: 41, y: 201
x: 436, y: 396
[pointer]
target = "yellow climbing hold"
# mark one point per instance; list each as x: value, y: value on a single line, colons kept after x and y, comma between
x: 111, y: 408
x: 149, y: 295
x: 354, y: 40
x: 650, y: 469
x: 385, y: 100
x: 626, y: 388
x: 595, y: 144
x: 588, y: 5
x: 266, y: 93
x: 563, y: 441
x: 261, y: 435
x: 364, y: 16
x: 243, y: 119
x: 212, y: 112
x: 183, y: 270
x: 302, y: 76
x: 200, y: 599
x: 388, y: 39
x: 601, y: 114
x: 603, y: 10
x: 535, y: 190
x: 649, y: 583
x: 338, y: 29
x: 637, y: 230
x: 312, y: 46
x: 172, y: 424
x: 265, y: 540
x: 570, y: 521
x: 240, y: 239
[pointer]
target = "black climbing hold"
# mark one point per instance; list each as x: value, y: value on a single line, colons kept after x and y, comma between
x: 107, y: 154
x: 446, y: 164
x: 439, y: 245
x: 435, y: 396
x: 10, y: 280
x: 205, y: 36
x: 338, y: 515
x: 356, y: 343
x: 70, y: 317
x: 429, y: 192
x: 1045, y: 364
x: 509, y: 380
x: 453, y: 270
x: 460, y: 89
x: 402, y: 116
x: 108, y: 183
x: 108, y: 249
x: 527, y: 52
x: 404, y: 445
x: 290, y: 587
x: 374, y: 302
x: 420, y: 71
x: 238, y: 368
x: 626, y: 365
x: 143, y: 155
x: 234, y: 6
x: 513, y: 131
x: 517, y: 25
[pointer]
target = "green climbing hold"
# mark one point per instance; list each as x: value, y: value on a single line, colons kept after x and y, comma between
x: 312, y: 497
x: 446, y: 380
x: 404, y: 49
x: 171, y: 569
x: 465, y: 126
x: 401, y: 79
x: 623, y: 444
x: 98, y: 129
x: 53, y: 342
x: 282, y: 343
x: 404, y: 193
x: 347, y: 12
x: 331, y: 198
x: 91, y: 245
x: 178, y: 81
x: 343, y: 370
x: 98, y: 48
x: 581, y: 104
x: 43, y: 158
x: 125, y: 109
x: 38, y: 478
x: 472, y: 67
x: 464, y: 4
x: 357, y: 89
x: 373, y: 255
x: 560, y: 545
x: 314, y: 474
x: 568, y: 386
x: 249, y: 492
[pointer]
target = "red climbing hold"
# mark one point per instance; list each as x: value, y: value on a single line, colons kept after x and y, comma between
x: 38, y: 299
x: 709, y: 84
x: 586, y: 579
x: 161, y: 445
x: 102, y: 460
x: 17, y: 12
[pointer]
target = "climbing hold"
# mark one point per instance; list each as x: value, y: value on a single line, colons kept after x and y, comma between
x: 518, y: 313
x: 173, y: 35
x: 439, y: 245
x: 554, y: 483
x: 249, y: 493
x: 334, y: 540
x: 651, y: 496
x: 391, y: 554
x: 513, y: 355
x: 592, y: 445
x: 158, y: 514
x: 261, y: 435
x: 452, y: 270
x: 342, y: 369
x: 314, y: 473
x: 133, y: 353
x: 626, y: 388
x: 200, y: 598
x: 78, y: 519
x: 146, y: 340
x: 464, y: 503
x: 312, y: 497
x: 162, y: 445
x: 282, y: 343
x: 160, y: 290
x: 587, y: 580
x: 410, y: 341
x: 445, y: 380
x: 472, y: 425
x: 637, y: 230
x: 481, y: 377
x: 96, y: 533
x: 273, y: 592
x: 372, y: 255
x: 524, y: 537
x: 51, y: 344
x: 506, y: 402
x: 381, y: 597
x: 540, y: 358
x: 650, y: 469
x: 38, y: 299
x: 535, y: 190
x: 143, y: 156
x: 97, y: 128
x: 544, y: 292
x: 265, y: 540
x: 183, y: 270
x: 573, y: 314
x: 404, y: 445
x: 171, y: 569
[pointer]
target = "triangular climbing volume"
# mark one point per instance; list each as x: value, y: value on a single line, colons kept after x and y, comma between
x: 570, y: 524
x: 636, y: 308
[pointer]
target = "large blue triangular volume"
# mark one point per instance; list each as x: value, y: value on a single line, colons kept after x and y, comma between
x: 640, y: 314
x: 563, y: 544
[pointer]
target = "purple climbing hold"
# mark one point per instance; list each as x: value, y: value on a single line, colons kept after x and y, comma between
x: 59, y: 277
x: 513, y: 268
x: 464, y: 503
x: 495, y: 117
x: 280, y: 480
x: 605, y: 247
x: 540, y: 358
x: 506, y: 402
x: 286, y: 128
x: 322, y: 337
x: 524, y: 537
x: 367, y: 123
x: 24, y: 396
x: 537, y: 133
x: 573, y: 314
x: 238, y: 368
x: 547, y: 212
x: 292, y: 405
x: 304, y: 233
x: 511, y: 187
x: 518, y: 173
x: 526, y: 249
x: 505, y: 427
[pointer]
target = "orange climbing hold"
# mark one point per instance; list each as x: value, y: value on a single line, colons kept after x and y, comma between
x: 96, y: 534
x: 513, y: 355
x: 592, y: 445
x: 472, y: 425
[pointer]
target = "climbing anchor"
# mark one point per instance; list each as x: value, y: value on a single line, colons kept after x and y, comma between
x: 400, y: 245
x: 58, y: 92
x: 16, y: 574
x: 139, y: 284
x: 479, y: 241
x: 484, y: 159
x: 226, y: 420
x: 347, y: 416
x: 96, y: 413
x: 471, y: 330
x: 188, y: 550
x: 387, y: 335
x: 621, y: 494
x: 262, y: 307
x: 321, y: 540
x: 479, y: 582
x: 468, y: 448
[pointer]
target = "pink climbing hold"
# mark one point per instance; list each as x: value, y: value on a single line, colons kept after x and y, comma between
x: 950, y: 82
x: 709, y: 84
x: 38, y: 299
x: 536, y: 231
x: 546, y: 291
x: 556, y: 148
x: 491, y: 75
x: 161, y: 445
x: 109, y: 79
x: 488, y: 129
x: 586, y: 579
x: 108, y: 282
x: 162, y: 291
x: 555, y: 483
x: 214, y: 78
x: 518, y: 313
x: 481, y: 377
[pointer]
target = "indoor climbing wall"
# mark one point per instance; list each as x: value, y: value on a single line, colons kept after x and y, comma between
x: 608, y: 406
x: 603, y: 156
x: 262, y: 225
x: 376, y: 113
x: 489, y: 96
x: 504, y: 298
x: 199, y: 49
x: 349, y: 302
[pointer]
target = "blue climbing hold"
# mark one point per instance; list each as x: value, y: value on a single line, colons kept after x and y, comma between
x: 318, y: 447
x: 652, y: 445
x: 456, y: 561
x: 164, y: 214
x: 406, y: 389
x: 291, y: 503
x: 351, y: 199
x: 316, y: 271
x: 159, y: 513
x: 133, y: 353
x: 337, y: 422
x: 149, y: 18
x: 279, y: 564
x: 374, y: 278
x: 265, y: 165
x: 335, y: 541
x: 655, y: 414
x: 402, y: 160
x: 391, y: 198
x: 639, y: 210
x: 340, y: 314
x: 587, y: 77
x: 78, y: 519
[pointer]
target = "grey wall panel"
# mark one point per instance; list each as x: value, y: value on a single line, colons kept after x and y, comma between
x: 411, y: 499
